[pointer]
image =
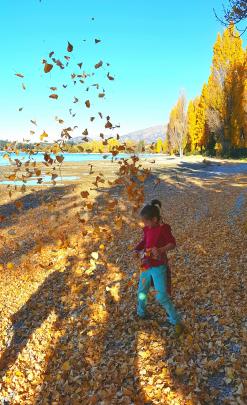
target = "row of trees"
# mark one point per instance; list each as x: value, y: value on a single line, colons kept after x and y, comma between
x: 216, y: 121
x: 113, y: 144
x: 92, y: 146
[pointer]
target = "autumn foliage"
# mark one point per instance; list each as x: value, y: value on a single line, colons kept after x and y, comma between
x: 217, y: 119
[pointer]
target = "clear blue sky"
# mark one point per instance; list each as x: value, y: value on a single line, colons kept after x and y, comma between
x: 156, y: 48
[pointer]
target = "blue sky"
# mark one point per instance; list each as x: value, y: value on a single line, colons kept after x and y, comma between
x: 155, y: 48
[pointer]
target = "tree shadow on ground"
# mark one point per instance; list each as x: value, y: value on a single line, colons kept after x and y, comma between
x: 48, y: 207
x: 33, y: 313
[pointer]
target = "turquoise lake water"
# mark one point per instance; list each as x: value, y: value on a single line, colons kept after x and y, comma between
x: 68, y: 157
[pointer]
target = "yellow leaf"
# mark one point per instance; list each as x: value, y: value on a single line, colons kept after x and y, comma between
x: 66, y: 366
x: 42, y: 136
x: 95, y: 255
x: 179, y: 371
x: 102, y: 247
x: 10, y: 266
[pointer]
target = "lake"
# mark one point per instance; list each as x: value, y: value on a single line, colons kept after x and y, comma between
x: 68, y: 157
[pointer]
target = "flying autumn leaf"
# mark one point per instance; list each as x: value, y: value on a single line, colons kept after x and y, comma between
x: 101, y: 115
x: 97, y: 41
x: 42, y: 136
x: 110, y: 77
x: 75, y: 100
x: 99, y: 64
x: 87, y: 103
x: 108, y: 124
x: 48, y: 67
x: 60, y: 158
x: 23, y: 86
x: 101, y: 95
x: 51, y: 54
x: 53, y: 88
x: 19, y: 75
x: 84, y: 194
x: 69, y: 47
x: 20, y: 109
x: 79, y: 64
x: 33, y: 122
x: 92, y: 119
x: 85, y: 132
x: 54, y: 96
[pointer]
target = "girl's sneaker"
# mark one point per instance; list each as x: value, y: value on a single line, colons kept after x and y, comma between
x: 165, y: 324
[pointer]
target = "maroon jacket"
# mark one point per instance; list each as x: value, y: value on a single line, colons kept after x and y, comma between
x: 157, y: 236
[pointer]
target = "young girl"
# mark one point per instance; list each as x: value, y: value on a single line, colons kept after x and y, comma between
x: 157, y: 241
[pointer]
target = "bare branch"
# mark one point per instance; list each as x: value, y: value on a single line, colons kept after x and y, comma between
x: 235, y: 13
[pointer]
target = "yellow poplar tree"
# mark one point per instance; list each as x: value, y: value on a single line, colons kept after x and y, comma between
x: 221, y: 101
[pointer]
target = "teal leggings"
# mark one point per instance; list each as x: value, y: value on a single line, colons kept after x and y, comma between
x: 158, y: 274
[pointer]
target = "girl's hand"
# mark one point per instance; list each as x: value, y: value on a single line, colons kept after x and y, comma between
x: 155, y: 252
x: 135, y: 253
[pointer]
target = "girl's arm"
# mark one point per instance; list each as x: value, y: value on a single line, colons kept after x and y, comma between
x: 166, y: 248
x: 142, y: 244
x: 168, y: 240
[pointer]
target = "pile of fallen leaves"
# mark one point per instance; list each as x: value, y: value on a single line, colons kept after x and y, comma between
x: 69, y: 333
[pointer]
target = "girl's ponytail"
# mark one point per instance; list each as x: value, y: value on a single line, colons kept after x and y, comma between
x: 156, y: 203
x: 152, y: 210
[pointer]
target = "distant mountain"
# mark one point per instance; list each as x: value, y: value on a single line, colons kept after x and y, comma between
x: 149, y: 135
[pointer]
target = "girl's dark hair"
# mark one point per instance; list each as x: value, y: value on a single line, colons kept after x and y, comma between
x: 152, y: 210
